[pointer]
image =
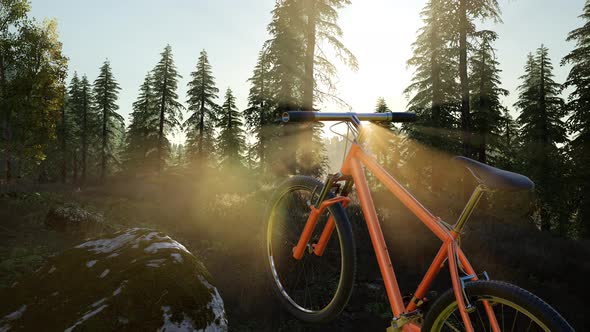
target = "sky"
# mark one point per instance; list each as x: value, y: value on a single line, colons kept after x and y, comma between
x: 131, y: 34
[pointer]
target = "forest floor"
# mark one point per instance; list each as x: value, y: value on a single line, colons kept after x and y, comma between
x: 224, y: 226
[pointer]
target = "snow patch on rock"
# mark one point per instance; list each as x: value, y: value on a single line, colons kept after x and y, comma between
x: 106, y: 246
x: 216, y: 305
x: 177, y: 258
x: 84, y: 318
x: 169, y: 326
x: 154, y: 247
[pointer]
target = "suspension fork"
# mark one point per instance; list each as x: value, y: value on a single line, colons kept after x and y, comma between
x: 313, y: 218
x: 319, y: 247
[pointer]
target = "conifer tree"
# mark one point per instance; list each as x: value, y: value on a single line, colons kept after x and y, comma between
x: 70, y: 130
x: 301, y: 72
x: 165, y: 80
x: 231, y: 141
x: 541, y: 131
x: 259, y: 114
x: 434, y: 92
x: 579, y: 121
x: 467, y: 11
x: 141, y: 139
x: 86, y: 118
x: 486, y: 106
x: 106, y: 90
x: 200, y: 126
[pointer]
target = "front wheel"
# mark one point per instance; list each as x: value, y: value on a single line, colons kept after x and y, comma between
x: 515, y: 309
x: 314, y: 288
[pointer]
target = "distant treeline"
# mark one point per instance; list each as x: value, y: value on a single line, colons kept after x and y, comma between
x: 54, y: 131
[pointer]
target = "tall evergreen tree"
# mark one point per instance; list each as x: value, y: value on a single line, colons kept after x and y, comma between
x: 541, y: 131
x: 434, y: 91
x: 69, y: 143
x: 321, y: 27
x: 231, y: 142
x: 141, y: 139
x: 165, y: 80
x: 106, y: 90
x: 259, y: 114
x: 86, y: 118
x: 200, y: 126
x: 486, y: 93
x: 301, y: 72
x: 579, y: 122
x: 468, y: 10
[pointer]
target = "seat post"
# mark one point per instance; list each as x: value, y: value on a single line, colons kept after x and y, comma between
x: 468, y: 209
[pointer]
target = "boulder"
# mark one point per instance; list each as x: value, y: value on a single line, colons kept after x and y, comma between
x: 134, y: 280
x: 74, y: 219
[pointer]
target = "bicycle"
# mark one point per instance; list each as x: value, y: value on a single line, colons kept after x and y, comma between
x: 303, y: 204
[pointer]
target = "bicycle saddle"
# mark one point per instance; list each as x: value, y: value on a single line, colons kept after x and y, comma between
x: 494, y: 178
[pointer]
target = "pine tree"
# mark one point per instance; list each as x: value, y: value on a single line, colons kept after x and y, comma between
x: 302, y: 74
x: 231, y: 142
x: 285, y: 50
x: 200, y: 126
x: 579, y: 121
x: 486, y: 93
x: 141, y: 139
x: 321, y: 27
x: 165, y: 80
x: 69, y: 128
x: 86, y: 118
x: 468, y: 10
x: 259, y: 114
x: 541, y: 131
x: 106, y: 90
x: 434, y: 91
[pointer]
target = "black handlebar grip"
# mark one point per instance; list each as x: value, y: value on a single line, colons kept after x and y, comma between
x: 298, y: 116
x: 403, y: 117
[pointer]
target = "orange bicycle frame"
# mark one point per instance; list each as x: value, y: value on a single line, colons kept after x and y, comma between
x: 353, y: 167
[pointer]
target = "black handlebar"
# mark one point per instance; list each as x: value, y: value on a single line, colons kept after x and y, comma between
x: 305, y: 116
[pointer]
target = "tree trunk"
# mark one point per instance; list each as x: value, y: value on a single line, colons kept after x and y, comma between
x: 465, y: 111
x: 307, y: 162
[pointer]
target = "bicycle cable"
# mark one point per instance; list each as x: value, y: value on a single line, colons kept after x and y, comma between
x: 343, y: 136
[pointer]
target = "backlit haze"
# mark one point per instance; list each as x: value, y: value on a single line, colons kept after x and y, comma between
x: 131, y: 34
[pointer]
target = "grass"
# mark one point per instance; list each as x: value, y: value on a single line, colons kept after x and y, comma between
x: 224, y: 226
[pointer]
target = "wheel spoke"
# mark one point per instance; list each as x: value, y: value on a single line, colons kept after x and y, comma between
x: 514, y: 322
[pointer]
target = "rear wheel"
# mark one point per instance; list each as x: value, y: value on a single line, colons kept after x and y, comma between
x: 515, y: 309
x: 314, y: 288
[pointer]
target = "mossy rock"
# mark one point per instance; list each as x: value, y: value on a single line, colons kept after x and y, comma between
x: 73, y: 219
x: 134, y: 280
